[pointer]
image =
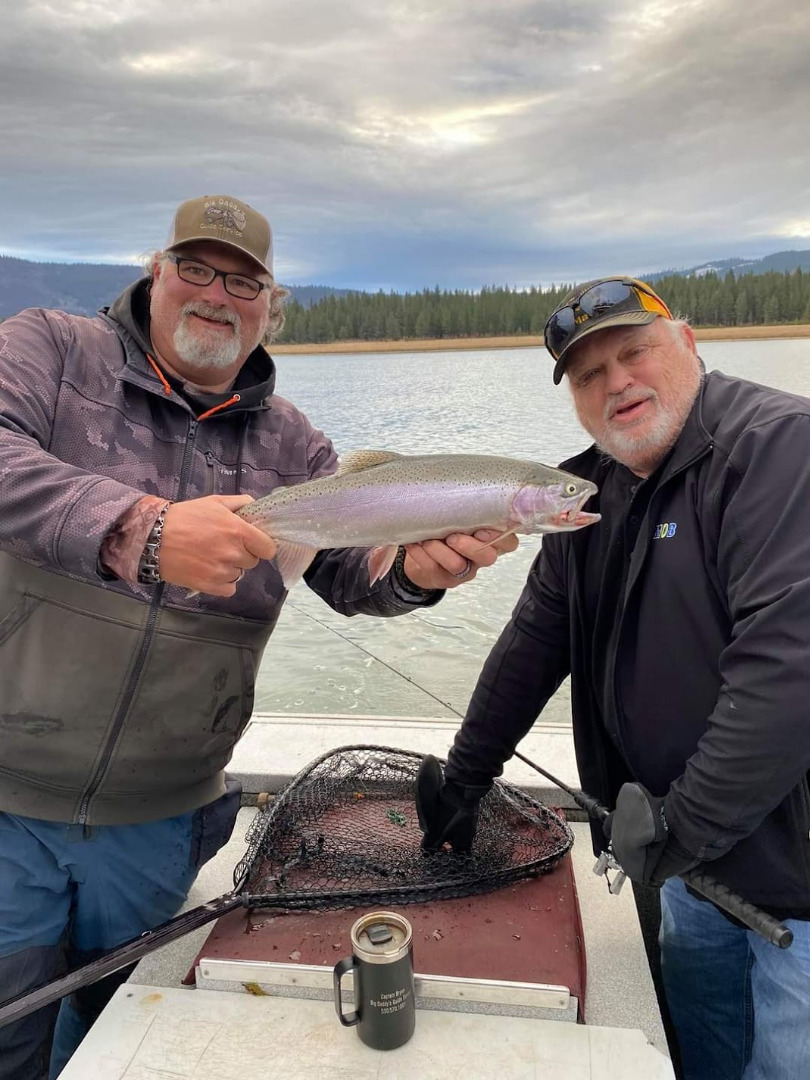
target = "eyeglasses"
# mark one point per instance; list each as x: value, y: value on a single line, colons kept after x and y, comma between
x: 597, y: 301
x: 199, y: 273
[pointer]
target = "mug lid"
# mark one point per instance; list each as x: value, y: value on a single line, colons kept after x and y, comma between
x: 381, y: 935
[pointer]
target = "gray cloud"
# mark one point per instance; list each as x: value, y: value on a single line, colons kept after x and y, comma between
x: 406, y: 144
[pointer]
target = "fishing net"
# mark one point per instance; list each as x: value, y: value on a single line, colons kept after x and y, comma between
x: 345, y: 831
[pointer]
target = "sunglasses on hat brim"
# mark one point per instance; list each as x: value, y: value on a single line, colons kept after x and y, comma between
x: 603, y: 299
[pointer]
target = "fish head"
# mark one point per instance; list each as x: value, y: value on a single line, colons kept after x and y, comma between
x: 554, y: 504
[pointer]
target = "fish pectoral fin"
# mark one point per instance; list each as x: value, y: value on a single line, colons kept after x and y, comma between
x: 380, y: 561
x: 360, y: 460
x: 292, y: 560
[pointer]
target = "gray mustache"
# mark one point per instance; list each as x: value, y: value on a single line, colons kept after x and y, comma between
x: 208, y: 311
x: 626, y: 399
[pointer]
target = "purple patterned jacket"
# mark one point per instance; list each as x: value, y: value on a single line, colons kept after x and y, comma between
x: 119, y: 702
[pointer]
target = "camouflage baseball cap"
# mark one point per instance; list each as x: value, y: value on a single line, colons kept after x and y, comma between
x: 228, y: 221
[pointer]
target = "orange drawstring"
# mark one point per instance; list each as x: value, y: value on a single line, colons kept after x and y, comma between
x: 166, y: 387
x: 216, y: 408
x: 167, y: 390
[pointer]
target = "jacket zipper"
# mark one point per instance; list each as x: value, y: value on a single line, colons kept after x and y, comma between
x: 146, y: 644
x: 210, y: 483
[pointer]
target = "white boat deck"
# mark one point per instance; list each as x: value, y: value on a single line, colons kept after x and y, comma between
x: 155, y: 1030
x: 205, y: 1035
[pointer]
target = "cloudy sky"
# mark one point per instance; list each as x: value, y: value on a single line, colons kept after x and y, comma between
x: 399, y: 145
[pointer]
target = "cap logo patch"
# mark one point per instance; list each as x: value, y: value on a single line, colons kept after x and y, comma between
x: 226, y: 216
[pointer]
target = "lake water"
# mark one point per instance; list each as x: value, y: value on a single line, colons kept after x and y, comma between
x: 494, y: 402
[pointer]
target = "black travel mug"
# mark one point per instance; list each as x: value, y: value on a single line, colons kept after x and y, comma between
x: 382, y: 963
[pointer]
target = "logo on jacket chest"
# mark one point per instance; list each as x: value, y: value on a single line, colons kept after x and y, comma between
x: 665, y: 531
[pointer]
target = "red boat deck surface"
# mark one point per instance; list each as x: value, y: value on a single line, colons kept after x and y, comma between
x: 529, y: 932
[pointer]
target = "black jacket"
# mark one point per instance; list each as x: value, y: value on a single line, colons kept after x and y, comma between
x: 708, y: 683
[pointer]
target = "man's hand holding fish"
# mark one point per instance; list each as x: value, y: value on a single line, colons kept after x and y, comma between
x: 217, y: 563
x: 445, y: 564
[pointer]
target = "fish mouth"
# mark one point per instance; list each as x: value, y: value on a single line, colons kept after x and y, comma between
x: 571, y: 515
x: 568, y: 520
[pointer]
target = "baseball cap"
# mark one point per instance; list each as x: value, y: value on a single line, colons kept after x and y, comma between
x: 596, y: 305
x: 228, y: 221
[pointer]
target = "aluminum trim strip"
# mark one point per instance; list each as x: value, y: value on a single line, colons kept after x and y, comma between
x: 434, y: 987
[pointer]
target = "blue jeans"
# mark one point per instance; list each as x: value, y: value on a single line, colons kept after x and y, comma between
x: 67, y: 894
x: 740, y: 1006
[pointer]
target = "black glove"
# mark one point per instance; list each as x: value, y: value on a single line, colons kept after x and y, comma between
x: 447, y: 811
x: 641, y: 840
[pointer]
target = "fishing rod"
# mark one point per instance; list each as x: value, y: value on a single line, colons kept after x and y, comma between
x: 767, y: 926
x: 379, y: 659
x: 30, y: 1001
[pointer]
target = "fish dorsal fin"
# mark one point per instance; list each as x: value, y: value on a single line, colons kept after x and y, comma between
x: 360, y: 460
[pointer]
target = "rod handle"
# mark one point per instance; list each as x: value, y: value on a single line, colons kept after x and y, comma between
x: 767, y: 926
x: 15, y: 1008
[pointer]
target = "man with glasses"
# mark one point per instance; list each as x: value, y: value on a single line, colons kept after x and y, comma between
x: 129, y: 641
x: 683, y: 619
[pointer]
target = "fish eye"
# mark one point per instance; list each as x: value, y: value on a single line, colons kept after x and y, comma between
x: 570, y: 489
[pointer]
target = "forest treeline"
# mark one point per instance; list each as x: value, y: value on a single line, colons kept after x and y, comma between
x: 708, y: 300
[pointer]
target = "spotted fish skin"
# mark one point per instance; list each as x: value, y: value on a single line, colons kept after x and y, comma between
x: 379, y: 499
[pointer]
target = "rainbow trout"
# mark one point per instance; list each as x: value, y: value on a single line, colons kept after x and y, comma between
x: 379, y: 500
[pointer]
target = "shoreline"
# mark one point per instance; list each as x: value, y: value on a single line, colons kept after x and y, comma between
x: 526, y: 341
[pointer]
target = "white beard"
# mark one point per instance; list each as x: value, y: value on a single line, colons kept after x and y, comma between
x: 199, y: 350
x: 643, y: 453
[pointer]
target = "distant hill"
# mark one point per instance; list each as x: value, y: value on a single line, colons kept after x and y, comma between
x: 85, y: 287
x: 82, y: 288
x: 781, y: 262
x: 78, y: 287
x: 307, y: 295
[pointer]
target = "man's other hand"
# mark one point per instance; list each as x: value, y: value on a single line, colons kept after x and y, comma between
x: 445, y: 564
x: 448, y: 812
x: 642, y: 843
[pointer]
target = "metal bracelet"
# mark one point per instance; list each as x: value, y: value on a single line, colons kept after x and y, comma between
x: 149, y: 563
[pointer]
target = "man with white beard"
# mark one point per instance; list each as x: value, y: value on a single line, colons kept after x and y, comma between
x: 129, y: 641
x: 683, y: 619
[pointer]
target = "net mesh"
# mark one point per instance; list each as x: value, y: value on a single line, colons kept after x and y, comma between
x: 345, y: 831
